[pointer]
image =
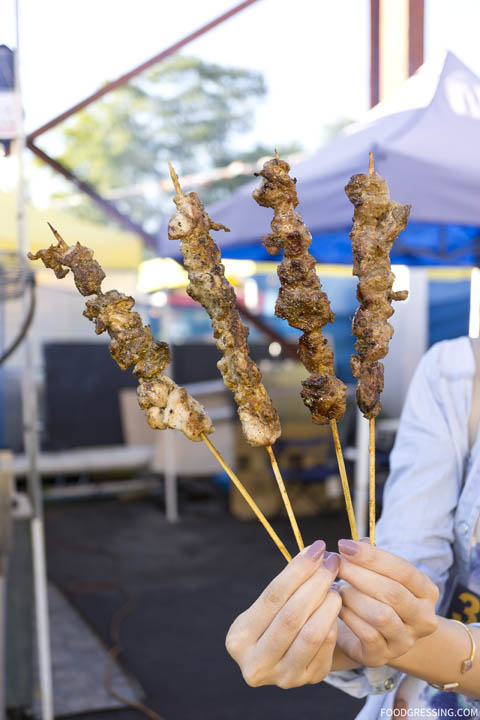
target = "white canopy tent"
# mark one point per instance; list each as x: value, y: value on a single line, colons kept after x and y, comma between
x: 425, y: 141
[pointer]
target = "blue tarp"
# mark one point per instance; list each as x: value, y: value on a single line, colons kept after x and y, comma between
x: 419, y: 244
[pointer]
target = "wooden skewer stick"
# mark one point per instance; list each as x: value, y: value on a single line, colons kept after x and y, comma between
x: 247, y: 497
x: 175, y: 180
x: 371, y: 168
x: 285, y: 498
x: 344, y: 479
x: 371, y: 442
x: 371, y: 474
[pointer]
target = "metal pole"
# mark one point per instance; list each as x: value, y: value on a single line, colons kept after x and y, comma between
x: 170, y: 446
x: 474, y: 319
x: 360, y: 501
x: 106, y: 205
x: 3, y: 639
x: 30, y: 425
x: 170, y: 470
x: 6, y: 489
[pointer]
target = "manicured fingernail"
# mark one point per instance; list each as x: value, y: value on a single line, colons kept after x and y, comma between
x: 331, y: 561
x: 348, y: 547
x: 316, y: 550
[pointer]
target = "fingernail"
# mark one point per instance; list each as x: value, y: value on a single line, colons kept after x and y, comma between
x: 331, y: 561
x: 316, y: 550
x: 348, y: 547
x: 365, y: 540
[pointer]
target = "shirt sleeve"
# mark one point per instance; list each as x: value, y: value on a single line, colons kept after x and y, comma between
x: 421, y: 495
x: 426, y: 467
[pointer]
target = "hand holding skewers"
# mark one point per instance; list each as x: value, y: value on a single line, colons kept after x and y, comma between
x: 287, y: 637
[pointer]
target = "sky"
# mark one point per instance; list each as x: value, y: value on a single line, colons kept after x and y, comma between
x: 314, y: 54
x: 70, y: 48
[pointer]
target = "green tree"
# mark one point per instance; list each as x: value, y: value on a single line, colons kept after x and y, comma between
x: 185, y: 110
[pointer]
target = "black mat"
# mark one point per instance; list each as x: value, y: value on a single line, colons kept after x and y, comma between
x: 82, y: 376
x: 187, y: 583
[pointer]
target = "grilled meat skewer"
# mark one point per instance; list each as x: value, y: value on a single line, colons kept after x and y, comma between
x: 377, y: 221
x: 301, y: 300
x: 208, y: 286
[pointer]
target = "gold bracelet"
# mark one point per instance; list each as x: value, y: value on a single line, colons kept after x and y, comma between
x: 466, y: 664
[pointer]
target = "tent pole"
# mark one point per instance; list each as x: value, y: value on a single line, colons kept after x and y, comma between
x: 474, y: 319
x: 360, y: 500
x: 170, y: 468
x: 30, y: 423
x: 107, y: 206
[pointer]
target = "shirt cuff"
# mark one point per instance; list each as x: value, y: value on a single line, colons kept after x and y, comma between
x: 361, y: 682
x: 471, y: 702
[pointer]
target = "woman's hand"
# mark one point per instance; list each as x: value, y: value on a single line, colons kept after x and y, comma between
x: 288, y: 635
x: 387, y: 604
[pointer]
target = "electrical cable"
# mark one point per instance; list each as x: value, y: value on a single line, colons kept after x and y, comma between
x: 83, y: 587
x: 14, y: 282
x: 25, y: 325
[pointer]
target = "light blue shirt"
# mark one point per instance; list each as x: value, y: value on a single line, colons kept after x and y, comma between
x: 429, y: 516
